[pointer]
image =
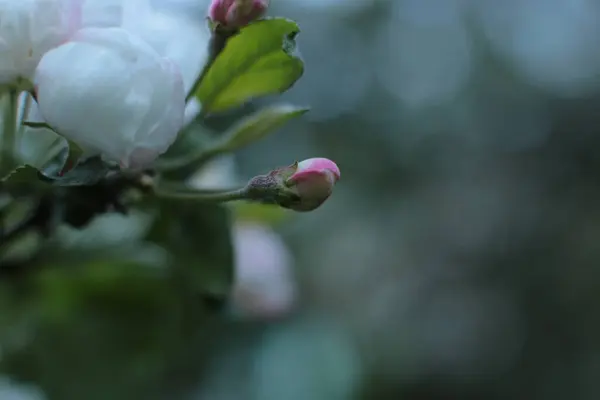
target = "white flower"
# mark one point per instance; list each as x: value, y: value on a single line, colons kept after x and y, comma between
x: 28, y: 29
x: 111, y: 93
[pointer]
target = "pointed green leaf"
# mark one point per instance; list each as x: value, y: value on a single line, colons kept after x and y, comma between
x: 260, y: 60
x: 260, y: 124
x: 85, y: 173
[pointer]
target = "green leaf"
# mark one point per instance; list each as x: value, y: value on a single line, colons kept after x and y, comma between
x: 260, y: 60
x: 22, y: 174
x: 85, y: 173
x: 88, y: 172
x: 198, y: 238
x: 260, y: 124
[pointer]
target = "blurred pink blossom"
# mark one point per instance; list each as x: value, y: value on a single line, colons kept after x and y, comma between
x: 264, y: 285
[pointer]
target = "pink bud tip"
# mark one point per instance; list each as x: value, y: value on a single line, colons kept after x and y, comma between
x: 312, y: 167
x: 236, y: 13
x: 313, y: 181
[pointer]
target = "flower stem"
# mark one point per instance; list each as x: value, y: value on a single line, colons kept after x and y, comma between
x: 203, y: 196
x: 215, y: 46
x: 197, y: 82
x: 23, y: 118
x: 9, y: 129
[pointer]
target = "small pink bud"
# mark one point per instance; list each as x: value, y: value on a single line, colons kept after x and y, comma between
x: 300, y: 187
x: 313, y: 182
x: 236, y: 13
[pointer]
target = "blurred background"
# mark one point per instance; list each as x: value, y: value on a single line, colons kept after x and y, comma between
x: 458, y: 257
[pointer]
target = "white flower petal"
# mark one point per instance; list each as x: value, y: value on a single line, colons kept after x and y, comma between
x: 103, y: 13
x: 109, y: 91
x: 178, y: 38
x: 29, y: 28
x: 167, y: 29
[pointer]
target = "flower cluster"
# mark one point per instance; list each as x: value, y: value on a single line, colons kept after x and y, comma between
x: 124, y: 88
x: 120, y: 79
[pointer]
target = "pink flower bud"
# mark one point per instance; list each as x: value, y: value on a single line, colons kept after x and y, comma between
x: 236, y: 13
x: 313, y: 182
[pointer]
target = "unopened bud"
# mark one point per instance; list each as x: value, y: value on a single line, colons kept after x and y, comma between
x: 313, y: 182
x: 236, y: 13
x: 301, y: 186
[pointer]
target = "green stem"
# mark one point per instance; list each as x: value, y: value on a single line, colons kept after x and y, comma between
x: 27, y: 106
x: 24, y: 117
x: 203, y: 196
x: 215, y: 46
x: 9, y: 129
x: 196, y: 84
